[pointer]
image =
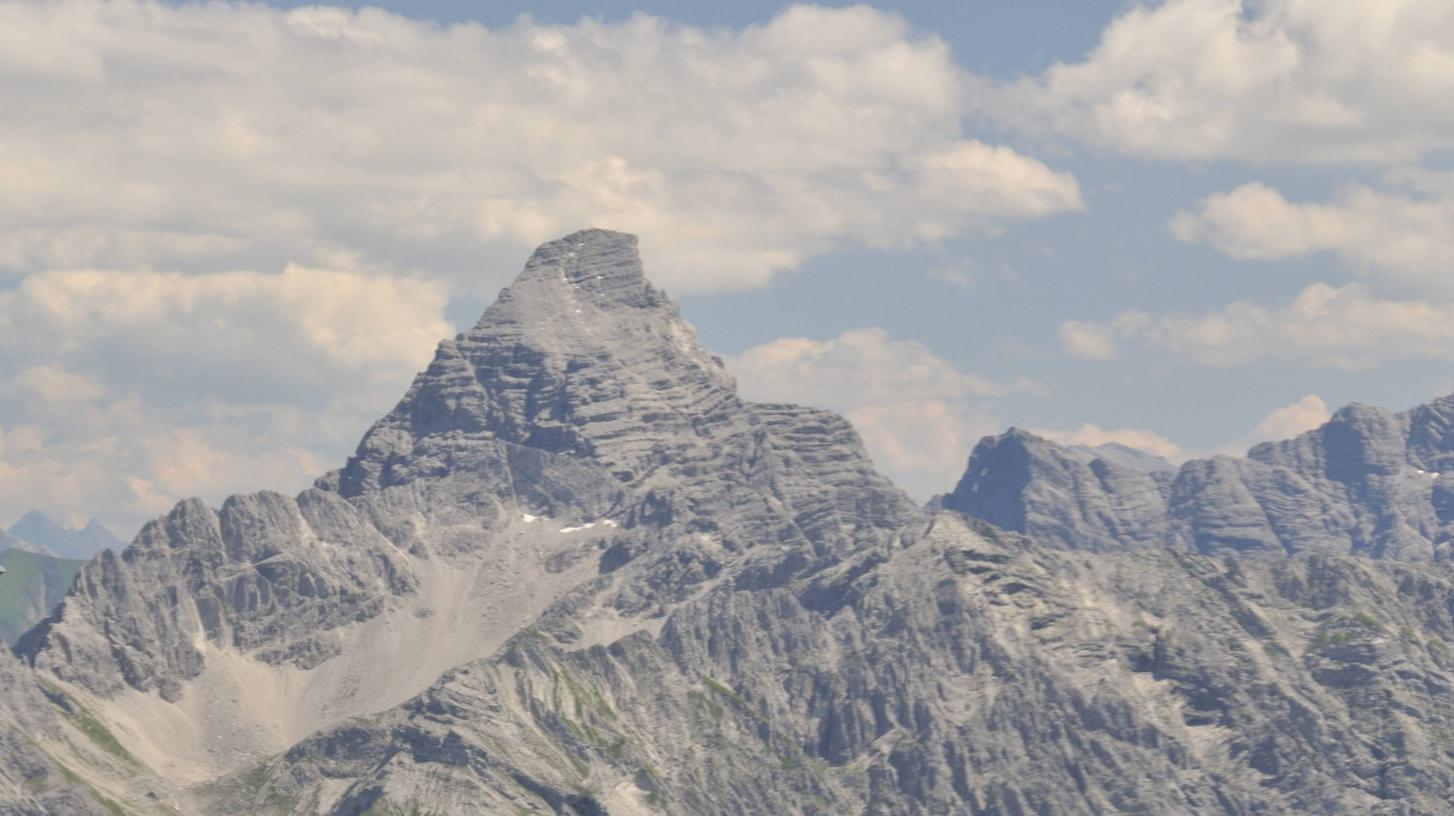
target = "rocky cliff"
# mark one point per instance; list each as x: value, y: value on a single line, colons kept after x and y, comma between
x: 1369, y: 482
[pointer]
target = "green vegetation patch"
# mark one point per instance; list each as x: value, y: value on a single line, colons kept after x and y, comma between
x: 75, y: 779
x: 31, y: 586
x: 722, y: 691
x: 87, y: 724
x: 1347, y: 629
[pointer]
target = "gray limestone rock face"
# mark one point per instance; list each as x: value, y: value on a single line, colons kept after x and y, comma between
x: 266, y: 575
x: 40, y: 752
x: 956, y: 669
x: 583, y: 362
x: 1019, y: 481
x: 1368, y: 481
x: 1363, y: 459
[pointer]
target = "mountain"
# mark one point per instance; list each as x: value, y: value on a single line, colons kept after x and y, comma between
x: 1125, y: 456
x: 47, y: 537
x: 10, y: 542
x: 1368, y: 482
x: 572, y: 572
x: 31, y: 586
x: 1062, y: 495
x: 576, y: 447
x: 44, y: 739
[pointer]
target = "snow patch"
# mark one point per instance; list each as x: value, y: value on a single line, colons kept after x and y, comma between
x: 588, y: 525
x: 527, y: 518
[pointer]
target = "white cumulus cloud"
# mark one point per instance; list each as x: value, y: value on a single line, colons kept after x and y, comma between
x: 1290, y: 420
x: 1283, y: 80
x: 222, y: 135
x: 1403, y: 234
x: 135, y: 389
x: 300, y: 328
x: 918, y: 413
x: 1323, y: 327
x: 1092, y: 435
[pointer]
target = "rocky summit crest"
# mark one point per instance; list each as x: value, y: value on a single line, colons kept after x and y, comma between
x: 1369, y: 481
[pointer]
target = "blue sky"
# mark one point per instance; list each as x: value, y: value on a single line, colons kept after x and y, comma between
x: 234, y: 231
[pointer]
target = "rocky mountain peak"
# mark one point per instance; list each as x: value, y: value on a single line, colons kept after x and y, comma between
x: 1368, y: 481
x: 580, y: 356
x: 602, y: 266
x: 42, y: 534
x: 573, y: 573
x: 1084, y: 498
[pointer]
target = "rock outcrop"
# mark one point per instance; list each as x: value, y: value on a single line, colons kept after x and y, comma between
x: 1021, y: 482
x: 1368, y: 482
x: 957, y: 669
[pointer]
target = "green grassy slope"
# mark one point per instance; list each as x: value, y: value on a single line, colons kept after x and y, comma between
x: 31, y: 586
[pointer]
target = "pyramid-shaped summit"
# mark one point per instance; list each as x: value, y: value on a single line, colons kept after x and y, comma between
x: 576, y: 449
x: 580, y: 355
x: 582, y: 358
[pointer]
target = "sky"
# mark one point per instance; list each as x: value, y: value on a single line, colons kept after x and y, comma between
x: 231, y: 233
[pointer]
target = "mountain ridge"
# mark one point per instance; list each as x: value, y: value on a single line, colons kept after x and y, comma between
x: 46, y: 536
x: 572, y: 572
x: 1368, y: 481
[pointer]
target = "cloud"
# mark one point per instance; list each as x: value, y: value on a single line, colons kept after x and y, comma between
x: 1284, y: 422
x: 136, y: 389
x: 53, y: 384
x: 1278, y: 80
x: 918, y: 413
x: 1323, y: 327
x: 1290, y: 420
x: 1092, y: 435
x: 1087, y: 340
x: 300, y: 328
x: 209, y: 136
x: 1100, y: 341
x: 1404, y: 234
x: 127, y: 461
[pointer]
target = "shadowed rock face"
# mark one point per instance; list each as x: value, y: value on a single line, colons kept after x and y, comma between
x: 675, y: 601
x: 1369, y: 482
x: 1021, y: 482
